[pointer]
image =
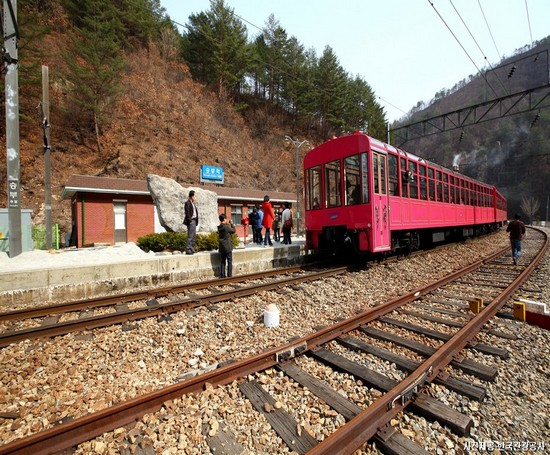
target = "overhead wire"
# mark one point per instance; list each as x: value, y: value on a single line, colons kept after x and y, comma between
x: 479, y: 47
x: 528, y: 21
x: 488, y: 28
x: 463, y: 48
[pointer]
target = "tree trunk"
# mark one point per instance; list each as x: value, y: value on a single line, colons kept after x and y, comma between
x: 96, y: 127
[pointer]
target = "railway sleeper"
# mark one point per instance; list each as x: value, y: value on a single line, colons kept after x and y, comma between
x: 388, y: 439
x: 481, y: 347
x: 465, y: 388
x: 423, y: 404
x: 476, y: 369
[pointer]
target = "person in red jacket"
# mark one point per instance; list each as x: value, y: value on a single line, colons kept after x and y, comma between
x: 267, y: 222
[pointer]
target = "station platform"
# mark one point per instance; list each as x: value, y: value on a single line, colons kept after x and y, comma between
x: 107, y: 275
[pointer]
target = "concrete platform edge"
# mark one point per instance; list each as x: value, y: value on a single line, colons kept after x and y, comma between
x: 49, y: 285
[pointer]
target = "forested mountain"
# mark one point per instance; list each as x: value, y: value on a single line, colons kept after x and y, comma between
x: 509, y: 145
x: 130, y: 95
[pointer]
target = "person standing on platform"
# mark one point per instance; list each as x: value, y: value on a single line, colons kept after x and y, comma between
x: 253, y: 221
x: 267, y: 222
x: 286, y: 220
x: 516, y: 228
x: 225, y: 234
x: 260, y: 224
x: 277, y: 226
x: 191, y: 220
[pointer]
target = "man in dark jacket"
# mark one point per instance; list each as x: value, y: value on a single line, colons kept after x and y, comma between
x: 516, y: 228
x: 191, y: 220
x: 253, y: 218
x: 225, y: 232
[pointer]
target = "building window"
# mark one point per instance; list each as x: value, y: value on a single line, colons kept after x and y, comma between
x: 236, y: 214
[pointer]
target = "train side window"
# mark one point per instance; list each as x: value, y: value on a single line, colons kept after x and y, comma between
x: 379, y: 173
x: 393, y: 176
x: 439, y: 186
x: 423, y: 187
x: 333, y: 180
x: 313, y: 188
x: 404, y: 177
x: 353, y: 184
x: 375, y: 173
x: 364, y: 178
x: 445, y: 188
x: 431, y: 184
x: 413, y: 184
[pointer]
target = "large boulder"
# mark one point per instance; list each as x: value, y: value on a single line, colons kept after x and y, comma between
x: 169, y: 197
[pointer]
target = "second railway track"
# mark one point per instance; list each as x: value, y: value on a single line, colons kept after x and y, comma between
x: 371, y: 417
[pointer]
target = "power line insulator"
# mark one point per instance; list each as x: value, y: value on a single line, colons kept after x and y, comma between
x: 512, y: 71
x: 535, y: 120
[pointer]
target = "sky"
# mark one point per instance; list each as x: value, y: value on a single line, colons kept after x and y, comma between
x: 406, y: 50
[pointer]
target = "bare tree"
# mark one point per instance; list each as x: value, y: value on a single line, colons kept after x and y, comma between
x: 169, y: 43
x: 530, y: 206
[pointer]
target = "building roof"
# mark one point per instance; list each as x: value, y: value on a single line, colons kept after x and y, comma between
x: 92, y: 184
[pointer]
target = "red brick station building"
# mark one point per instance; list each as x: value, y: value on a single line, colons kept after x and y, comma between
x: 111, y: 211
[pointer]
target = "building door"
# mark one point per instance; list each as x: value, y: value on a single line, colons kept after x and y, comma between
x: 380, y: 202
x: 120, y: 221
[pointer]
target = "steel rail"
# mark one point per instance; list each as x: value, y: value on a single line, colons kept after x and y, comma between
x: 98, y: 302
x: 368, y: 423
x: 93, y: 322
x: 92, y: 425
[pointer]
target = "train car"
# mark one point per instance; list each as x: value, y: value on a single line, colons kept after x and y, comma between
x: 366, y: 195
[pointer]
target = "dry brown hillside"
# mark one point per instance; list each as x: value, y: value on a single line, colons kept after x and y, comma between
x: 162, y: 123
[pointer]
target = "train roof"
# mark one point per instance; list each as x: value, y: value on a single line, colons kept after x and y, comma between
x: 387, y: 148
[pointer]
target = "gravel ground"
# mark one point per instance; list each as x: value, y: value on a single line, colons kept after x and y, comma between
x: 44, y: 381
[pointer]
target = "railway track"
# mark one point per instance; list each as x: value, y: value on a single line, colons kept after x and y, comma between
x: 60, y: 319
x: 88, y: 314
x: 340, y: 352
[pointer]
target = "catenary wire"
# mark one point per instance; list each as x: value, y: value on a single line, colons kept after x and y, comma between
x: 479, y: 47
x: 465, y: 51
x: 528, y: 21
x: 488, y: 28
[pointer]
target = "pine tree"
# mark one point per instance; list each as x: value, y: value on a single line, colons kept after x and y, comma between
x: 330, y: 85
x: 95, y: 61
x: 216, y: 49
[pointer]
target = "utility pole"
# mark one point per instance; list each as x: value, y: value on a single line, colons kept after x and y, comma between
x: 12, y: 125
x: 298, y: 144
x: 547, y: 202
x: 47, y: 149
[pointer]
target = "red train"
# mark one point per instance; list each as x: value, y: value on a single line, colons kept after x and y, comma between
x: 372, y: 197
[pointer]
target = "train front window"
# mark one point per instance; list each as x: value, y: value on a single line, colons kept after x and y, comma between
x: 313, y: 188
x: 353, y: 184
x: 333, y: 178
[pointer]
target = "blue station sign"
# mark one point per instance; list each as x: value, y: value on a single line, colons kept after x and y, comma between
x: 212, y: 174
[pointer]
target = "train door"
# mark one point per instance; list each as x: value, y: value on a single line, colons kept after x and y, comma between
x: 380, y: 203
